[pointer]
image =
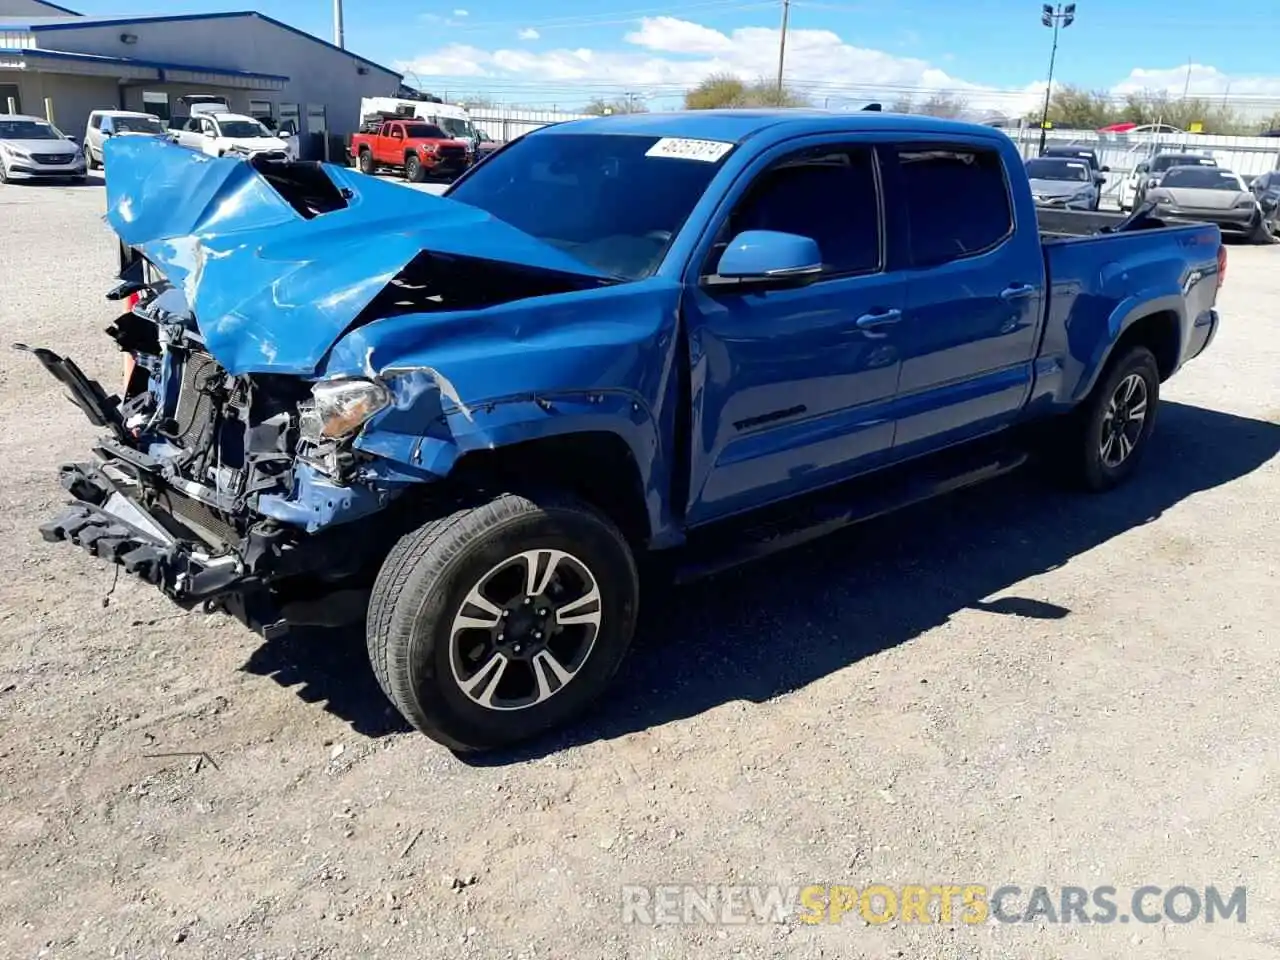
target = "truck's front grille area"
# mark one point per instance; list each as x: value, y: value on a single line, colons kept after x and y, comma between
x: 195, y: 401
x: 452, y: 153
x: 200, y: 518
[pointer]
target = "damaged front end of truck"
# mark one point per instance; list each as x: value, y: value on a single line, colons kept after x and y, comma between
x: 304, y: 347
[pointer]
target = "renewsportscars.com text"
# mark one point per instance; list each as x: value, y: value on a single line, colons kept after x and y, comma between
x: 969, y: 903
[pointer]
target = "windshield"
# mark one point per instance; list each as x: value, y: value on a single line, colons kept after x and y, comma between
x: 242, y: 129
x: 136, y: 125
x: 1048, y: 169
x: 1164, y: 163
x: 457, y: 128
x: 27, y: 130
x: 601, y: 198
x: 1082, y: 156
x: 1202, y: 178
x: 424, y: 131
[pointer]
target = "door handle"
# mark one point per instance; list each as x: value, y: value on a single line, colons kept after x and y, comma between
x: 1016, y: 291
x: 879, y: 318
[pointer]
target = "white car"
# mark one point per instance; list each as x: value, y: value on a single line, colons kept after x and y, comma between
x: 104, y: 124
x: 31, y: 148
x: 219, y: 134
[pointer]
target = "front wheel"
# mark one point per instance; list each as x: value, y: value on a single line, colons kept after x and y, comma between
x: 1114, y: 425
x: 499, y: 622
x: 89, y: 162
x: 365, y: 163
x: 413, y: 169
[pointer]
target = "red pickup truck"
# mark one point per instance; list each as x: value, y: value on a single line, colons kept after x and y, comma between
x: 419, y: 149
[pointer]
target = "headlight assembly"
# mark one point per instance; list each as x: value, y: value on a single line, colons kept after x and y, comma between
x: 339, y: 408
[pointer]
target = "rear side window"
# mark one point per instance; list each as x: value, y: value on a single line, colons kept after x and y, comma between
x: 96, y: 122
x: 955, y: 201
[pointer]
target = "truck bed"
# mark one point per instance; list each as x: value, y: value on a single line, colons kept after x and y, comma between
x: 1059, y: 225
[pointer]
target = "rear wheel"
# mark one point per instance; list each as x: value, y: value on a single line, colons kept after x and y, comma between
x: 1262, y: 231
x: 1111, y: 430
x: 501, y: 621
x: 365, y: 162
x: 414, y: 172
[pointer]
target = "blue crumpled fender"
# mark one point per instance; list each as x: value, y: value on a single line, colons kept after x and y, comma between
x: 272, y: 290
x: 592, y: 361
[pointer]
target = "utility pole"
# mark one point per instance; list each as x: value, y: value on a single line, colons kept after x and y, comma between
x: 782, y: 46
x: 338, y: 39
x: 1062, y: 17
x: 1186, y: 86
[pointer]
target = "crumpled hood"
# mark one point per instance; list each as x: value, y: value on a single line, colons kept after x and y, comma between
x: 256, y: 143
x: 273, y: 289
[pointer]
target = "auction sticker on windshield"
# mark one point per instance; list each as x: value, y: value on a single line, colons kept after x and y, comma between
x: 708, y: 151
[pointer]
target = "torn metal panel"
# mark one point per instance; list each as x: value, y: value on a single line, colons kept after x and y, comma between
x: 272, y: 287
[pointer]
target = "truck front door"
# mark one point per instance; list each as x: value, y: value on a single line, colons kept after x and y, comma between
x: 791, y: 388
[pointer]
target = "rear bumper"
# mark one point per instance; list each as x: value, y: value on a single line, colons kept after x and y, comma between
x: 1202, y: 334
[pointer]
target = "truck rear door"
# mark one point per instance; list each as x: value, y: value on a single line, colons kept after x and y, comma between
x: 966, y: 238
x: 791, y: 387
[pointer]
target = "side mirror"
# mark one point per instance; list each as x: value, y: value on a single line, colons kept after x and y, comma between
x: 767, y: 259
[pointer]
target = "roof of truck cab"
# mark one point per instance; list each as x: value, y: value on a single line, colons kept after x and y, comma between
x: 735, y: 126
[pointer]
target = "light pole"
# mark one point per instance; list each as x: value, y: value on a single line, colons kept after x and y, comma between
x: 1063, y: 16
x: 782, y: 45
x: 339, y: 40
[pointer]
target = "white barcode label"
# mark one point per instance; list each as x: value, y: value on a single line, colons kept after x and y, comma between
x: 708, y: 151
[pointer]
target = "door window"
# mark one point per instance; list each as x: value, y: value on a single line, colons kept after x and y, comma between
x: 955, y: 202
x: 830, y: 195
x: 289, y: 117
x: 207, y: 127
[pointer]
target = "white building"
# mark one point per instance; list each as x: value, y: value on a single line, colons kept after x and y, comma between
x: 262, y: 66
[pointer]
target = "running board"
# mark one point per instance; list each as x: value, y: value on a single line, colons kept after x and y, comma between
x: 788, y: 525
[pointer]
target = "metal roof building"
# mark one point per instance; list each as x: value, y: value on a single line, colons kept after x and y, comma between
x: 262, y: 66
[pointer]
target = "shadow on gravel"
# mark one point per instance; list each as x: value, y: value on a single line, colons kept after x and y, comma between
x: 779, y: 624
x: 330, y: 666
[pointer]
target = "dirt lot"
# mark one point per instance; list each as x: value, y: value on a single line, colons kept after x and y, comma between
x: 1015, y: 685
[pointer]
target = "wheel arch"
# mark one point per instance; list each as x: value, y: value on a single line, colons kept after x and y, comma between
x: 1157, y: 324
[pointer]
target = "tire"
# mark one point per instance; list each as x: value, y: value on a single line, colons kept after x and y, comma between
x: 471, y: 687
x: 89, y: 162
x: 1098, y: 459
x: 1261, y: 232
x: 4, y: 174
x: 365, y: 162
x: 414, y: 172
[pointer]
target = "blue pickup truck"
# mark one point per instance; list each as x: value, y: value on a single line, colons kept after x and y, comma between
x: 465, y: 419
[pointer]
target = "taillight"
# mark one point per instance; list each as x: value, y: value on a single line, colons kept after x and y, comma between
x: 1222, y: 264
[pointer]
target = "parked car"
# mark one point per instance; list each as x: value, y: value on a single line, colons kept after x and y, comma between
x: 1213, y: 195
x: 1147, y: 173
x: 218, y: 134
x: 485, y: 145
x: 31, y: 148
x: 419, y: 149
x: 463, y: 419
x: 1060, y: 182
x: 1267, y: 189
x: 104, y: 124
x: 1097, y: 171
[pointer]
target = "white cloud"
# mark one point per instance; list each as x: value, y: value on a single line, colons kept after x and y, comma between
x: 665, y: 55
x: 528, y: 33
x: 462, y: 13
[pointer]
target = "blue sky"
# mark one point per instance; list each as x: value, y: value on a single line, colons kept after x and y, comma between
x: 992, y: 51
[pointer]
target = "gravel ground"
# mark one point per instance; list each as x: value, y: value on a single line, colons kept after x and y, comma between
x: 1014, y: 685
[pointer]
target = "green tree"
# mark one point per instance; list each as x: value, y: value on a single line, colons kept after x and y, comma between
x: 723, y: 90
x: 600, y: 107
x: 942, y: 105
